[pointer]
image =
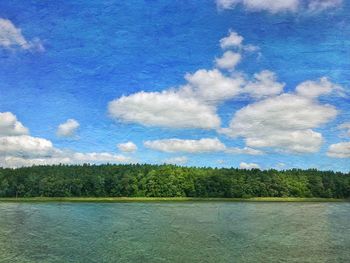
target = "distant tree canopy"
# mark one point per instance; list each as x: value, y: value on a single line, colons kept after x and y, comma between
x: 136, y: 180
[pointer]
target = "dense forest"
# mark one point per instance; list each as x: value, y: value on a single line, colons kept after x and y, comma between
x: 136, y: 180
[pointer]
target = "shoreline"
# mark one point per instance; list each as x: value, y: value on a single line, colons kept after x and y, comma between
x: 162, y: 199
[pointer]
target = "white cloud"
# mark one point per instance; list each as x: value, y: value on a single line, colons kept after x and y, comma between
x: 68, y: 128
x: 264, y: 84
x: 321, y: 5
x: 10, y: 126
x: 339, y: 150
x: 345, y: 127
x: 277, y: 6
x: 64, y: 158
x: 204, y: 145
x: 314, y: 89
x: 24, y: 150
x: 166, y: 109
x: 192, y: 105
x: 284, y: 122
x: 211, y: 86
x: 232, y: 40
x: 25, y: 145
x: 251, y: 48
x: 190, y: 146
x: 15, y: 139
x: 229, y: 60
x: 272, y: 6
x: 12, y: 37
x: 235, y: 41
x: 18, y: 148
x: 102, y: 157
x: 304, y: 141
x: 227, y: 4
x: 15, y: 162
x: 127, y: 147
x: 176, y: 160
x: 248, y: 166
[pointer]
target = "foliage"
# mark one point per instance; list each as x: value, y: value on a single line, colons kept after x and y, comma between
x: 143, y: 180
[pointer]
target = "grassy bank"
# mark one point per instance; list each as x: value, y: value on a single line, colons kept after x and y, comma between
x: 166, y: 199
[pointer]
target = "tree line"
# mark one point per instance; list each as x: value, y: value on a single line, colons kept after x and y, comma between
x: 143, y: 180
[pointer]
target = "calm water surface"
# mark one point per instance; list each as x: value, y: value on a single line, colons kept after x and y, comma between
x: 175, y: 232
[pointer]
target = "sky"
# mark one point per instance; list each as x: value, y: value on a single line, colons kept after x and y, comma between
x: 220, y: 83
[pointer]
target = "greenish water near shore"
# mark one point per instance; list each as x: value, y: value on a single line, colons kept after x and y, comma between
x: 168, y: 199
x: 175, y: 232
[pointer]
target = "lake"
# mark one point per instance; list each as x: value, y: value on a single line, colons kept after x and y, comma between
x: 175, y: 232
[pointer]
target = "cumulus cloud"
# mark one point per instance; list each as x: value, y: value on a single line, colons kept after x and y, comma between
x: 127, y: 147
x: 229, y: 60
x: 204, y: 145
x: 304, y: 141
x: 278, y: 6
x: 195, y: 103
x: 284, y: 122
x: 190, y: 146
x: 18, y: 148
x: 15, y: 161
x: 345, y: 127
x: 25, y: 145
x: 102, y: 157
x: 248, y: 166
x: 233, y: 40
x: 12, y: 37
x: 314, y: 89
x: 211, y: 86
x: 176, y: 160
x: 68, y: 128
x: 64, y: 157
x: 339, y: 150
x: 15, y: 139
x: 166, y: 109
x: 264, y: 84
x: 10, y: 126
x: 192, y: 105
x: 18, y: 151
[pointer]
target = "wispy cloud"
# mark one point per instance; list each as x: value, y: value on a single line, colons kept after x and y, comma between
x: 281, y: 6
x: 11, y: 37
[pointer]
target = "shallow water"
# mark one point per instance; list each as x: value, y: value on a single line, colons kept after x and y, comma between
x: 175, y: 232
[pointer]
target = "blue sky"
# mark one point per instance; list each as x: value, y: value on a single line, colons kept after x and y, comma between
x: 70, y: 64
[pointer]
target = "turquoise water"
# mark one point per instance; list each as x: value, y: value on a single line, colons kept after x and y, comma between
x: 175, y: 232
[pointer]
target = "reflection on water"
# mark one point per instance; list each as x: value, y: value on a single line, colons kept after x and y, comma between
x: 175, y: 232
